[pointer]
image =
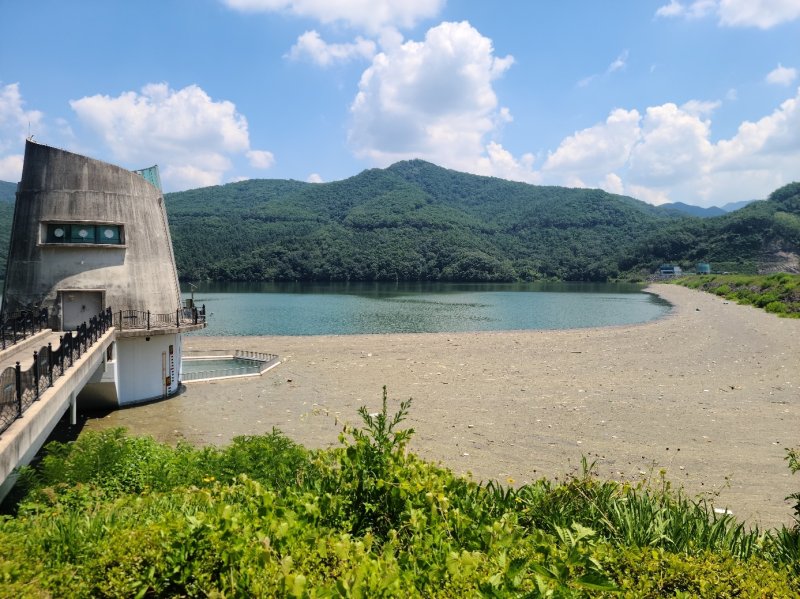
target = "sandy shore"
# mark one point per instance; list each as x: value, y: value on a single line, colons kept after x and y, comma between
x: 710, y: 393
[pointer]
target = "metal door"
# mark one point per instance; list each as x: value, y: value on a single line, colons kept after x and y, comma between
x: 78, y: 307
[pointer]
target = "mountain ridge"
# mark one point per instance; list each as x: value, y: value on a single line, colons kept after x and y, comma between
x: 415, y: 220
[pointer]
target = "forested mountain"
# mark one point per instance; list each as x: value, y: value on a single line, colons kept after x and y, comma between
x: 7, y: 195
x: 417, y: 221
x: 693, y: 210
x: 413, y: 220
x: 763, y: 236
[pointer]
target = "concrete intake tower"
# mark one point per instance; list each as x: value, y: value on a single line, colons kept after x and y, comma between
x: 88, y: 236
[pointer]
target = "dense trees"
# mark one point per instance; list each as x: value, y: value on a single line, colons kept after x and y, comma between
x: 412, y: 221
x: 417, y: 221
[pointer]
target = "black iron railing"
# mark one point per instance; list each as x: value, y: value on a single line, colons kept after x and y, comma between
x: 138, y: 319
x: 20, y: 388
x: 19, y: 325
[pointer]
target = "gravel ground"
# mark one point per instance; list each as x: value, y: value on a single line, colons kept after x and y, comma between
x: 710, y: 394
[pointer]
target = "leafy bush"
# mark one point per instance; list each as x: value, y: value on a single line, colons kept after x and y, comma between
x: 112, y: 515
x: 777, y: 293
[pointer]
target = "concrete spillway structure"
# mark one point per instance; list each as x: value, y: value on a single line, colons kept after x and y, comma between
x: 88, y: 236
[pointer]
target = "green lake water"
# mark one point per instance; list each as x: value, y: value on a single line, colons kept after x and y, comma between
x: 355, y: 308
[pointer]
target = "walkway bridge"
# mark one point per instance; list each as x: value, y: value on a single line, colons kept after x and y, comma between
x: 42, y: 372
x: 40, y: 378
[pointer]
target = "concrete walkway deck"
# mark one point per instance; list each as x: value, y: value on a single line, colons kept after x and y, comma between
x: 25, y: 436
x: 22, y: 351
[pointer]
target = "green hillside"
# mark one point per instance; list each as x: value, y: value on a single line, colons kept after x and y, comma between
x: 761, y: 237
x: 7, y: 194
x: 413, y: 220
x: 417, y: 221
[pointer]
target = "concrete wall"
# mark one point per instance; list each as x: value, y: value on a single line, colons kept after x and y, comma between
x: 140, y: 367
x: 59, y: 186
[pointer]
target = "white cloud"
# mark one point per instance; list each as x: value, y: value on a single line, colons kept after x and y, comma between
x: 372, y: 15
x: 700, y: 107
x: 782, y: 75
x: 190, y: 177
x: 612, y: 183
x: 693, y: 10
x: 433, y: 99
x: 771, y: 142
x: 314, y: 178
x: 260, y: 159
x: 620, y: 62
x: 499, y: 162
x: 758, y: 13
x: 674, y: 146
x: 763, y: 14
x: 598, y: 149
x: 11, y: 168
x: 667, y: 154
x: 15, y: 122
x: 312, y: 47
x: 647, y: 194
x: 192, y: 136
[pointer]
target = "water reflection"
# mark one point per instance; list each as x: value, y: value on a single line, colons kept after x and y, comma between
x: 349, y: 308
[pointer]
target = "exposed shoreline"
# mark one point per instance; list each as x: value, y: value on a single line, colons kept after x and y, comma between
x: 710, y: 393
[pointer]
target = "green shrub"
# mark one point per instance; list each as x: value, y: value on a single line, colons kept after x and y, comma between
x: 776, y: 307
x: 117, y: 516
x: 722, y: 290
x: 656, y: 573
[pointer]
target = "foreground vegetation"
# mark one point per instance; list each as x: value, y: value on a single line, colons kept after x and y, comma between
x: 779, y: 293
x: 117, y: 516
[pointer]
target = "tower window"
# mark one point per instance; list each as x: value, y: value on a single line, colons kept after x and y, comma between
x: 101, y: 234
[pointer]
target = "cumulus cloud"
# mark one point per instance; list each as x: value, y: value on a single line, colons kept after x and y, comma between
x: 674, y: 146
x: 15, y: 122
x: 310, y: 46
x: 371, y: 15
x: 782, y: 75
x: 432, y: 99
x: 11, y: 167
x: 668, y: 154
x: 598, y: 149
x: 763, y: 14
x: 192, y: 136
x: 314, y: 178
x: 260, y: 158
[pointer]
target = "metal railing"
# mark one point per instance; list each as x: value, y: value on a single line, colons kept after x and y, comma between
x: 22, y: 324
x: 138, y: 319
x: 20, y: 388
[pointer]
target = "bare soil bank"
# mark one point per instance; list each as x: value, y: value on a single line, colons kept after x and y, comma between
x: 710, y: 393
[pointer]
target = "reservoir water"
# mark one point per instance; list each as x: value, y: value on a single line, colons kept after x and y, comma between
x: 355, y: 308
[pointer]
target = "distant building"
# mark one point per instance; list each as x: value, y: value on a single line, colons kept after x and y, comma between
x: 670, y: 270
x: 88, y: 236
x: 703, y: 268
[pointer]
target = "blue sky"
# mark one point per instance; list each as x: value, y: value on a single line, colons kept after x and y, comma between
x: 664, y: 100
